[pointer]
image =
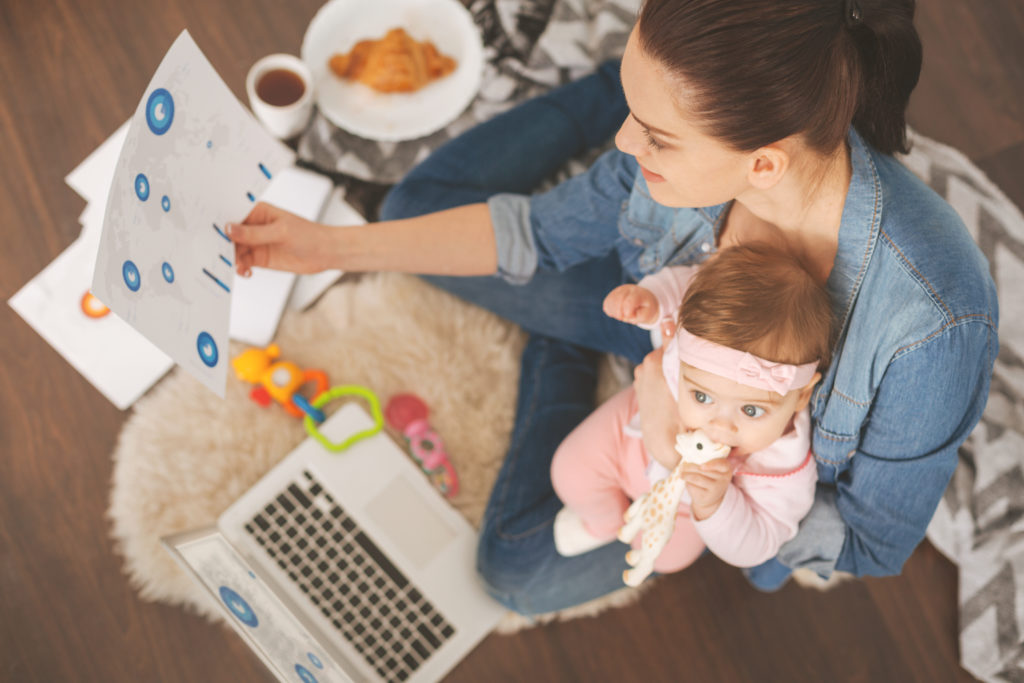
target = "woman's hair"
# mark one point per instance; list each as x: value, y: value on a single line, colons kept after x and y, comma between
x: 760, y: 71
x: 760, y: 298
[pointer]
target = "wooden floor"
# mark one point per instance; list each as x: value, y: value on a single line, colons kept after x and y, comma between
x: 70, y: 73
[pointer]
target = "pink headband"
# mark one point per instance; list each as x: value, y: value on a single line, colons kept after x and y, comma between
x: 740, y: 366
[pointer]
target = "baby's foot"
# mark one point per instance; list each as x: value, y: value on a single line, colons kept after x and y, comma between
x: 571, y: 537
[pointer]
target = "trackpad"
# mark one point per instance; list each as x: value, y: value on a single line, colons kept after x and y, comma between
x: 410, y: 522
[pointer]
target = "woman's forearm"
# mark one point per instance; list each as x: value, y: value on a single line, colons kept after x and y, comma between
x: 458, y: 241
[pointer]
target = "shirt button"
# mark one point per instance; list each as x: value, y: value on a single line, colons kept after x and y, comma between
x: 638, y: 241
x: 705, y: 247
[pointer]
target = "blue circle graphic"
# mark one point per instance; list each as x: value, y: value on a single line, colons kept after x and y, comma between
x: 159, y: 111
x: 316, y: 660
x: 142, y: 187
x: 207, y: 349
x: 239, y: 607
x: 165, y: 203
x: 167, y: 271
x: 130, y: 273
x: 304, y: 675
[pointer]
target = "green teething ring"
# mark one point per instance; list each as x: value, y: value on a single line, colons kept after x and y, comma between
x: 336, y: 392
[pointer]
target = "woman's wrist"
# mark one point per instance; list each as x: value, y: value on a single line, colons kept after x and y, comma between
x: 457, y: 241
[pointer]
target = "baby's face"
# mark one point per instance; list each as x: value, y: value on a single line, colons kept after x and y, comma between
x: 741, y: 417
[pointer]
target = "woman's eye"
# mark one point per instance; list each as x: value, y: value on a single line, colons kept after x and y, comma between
x: 753, y: 411
x: 651, y: 142
x: 701, y: 397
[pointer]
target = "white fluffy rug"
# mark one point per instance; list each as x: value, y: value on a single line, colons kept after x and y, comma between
x: 184, y: 455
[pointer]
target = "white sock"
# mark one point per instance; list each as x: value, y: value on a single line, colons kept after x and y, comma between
x: 571, y: 537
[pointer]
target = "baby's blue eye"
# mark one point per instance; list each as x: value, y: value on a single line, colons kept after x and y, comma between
x: 701, y: 397
x: 753, y: 411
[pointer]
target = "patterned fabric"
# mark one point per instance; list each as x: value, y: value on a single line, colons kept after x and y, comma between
x: 529, y: 47
x: 978, y: 524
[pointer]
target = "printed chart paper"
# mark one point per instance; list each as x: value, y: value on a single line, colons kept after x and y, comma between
x: 193, y: 160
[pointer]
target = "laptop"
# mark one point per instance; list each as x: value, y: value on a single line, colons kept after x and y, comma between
x: 345, y: 567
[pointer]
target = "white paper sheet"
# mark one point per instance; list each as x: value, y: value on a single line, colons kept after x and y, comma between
x: 116, y: 359
x: 193, y: 160
x: 91, y: 178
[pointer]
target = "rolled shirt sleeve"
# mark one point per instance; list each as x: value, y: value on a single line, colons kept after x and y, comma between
x: 575, y: 221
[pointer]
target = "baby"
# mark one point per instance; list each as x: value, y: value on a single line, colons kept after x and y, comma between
x: 752, y: 335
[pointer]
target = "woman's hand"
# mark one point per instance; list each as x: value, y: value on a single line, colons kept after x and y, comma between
x: 270, y: 237
x: 707, y: 485
x: 631, y: 304
x: 659, y: 420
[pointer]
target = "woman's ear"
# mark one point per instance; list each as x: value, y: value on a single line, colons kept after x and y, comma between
x: 805, y: 394
x: 767, y: 166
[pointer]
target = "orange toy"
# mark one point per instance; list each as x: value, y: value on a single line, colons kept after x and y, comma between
x: 279, y: 380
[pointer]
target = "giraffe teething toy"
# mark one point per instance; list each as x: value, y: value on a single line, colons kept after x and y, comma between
x: 654, y: 513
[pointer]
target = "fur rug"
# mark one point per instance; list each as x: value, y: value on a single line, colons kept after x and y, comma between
x: 184, y: 455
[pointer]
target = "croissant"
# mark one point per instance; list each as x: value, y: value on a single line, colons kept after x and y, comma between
x: 395, y: 63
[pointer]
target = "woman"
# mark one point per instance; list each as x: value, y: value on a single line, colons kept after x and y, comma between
x: 746, y: 119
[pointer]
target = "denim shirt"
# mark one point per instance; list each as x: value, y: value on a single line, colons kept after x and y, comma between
x: 917, y: 317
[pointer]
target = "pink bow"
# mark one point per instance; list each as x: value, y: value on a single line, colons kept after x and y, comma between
x: 739, y: 366
x: 778, y: 376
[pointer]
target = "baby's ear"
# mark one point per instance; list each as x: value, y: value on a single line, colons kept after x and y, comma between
x: 805, y: 393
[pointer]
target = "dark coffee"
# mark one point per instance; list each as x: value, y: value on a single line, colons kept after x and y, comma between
x: 280, y: 87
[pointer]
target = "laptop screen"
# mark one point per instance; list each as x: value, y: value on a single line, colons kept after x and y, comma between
x: 283, y: 644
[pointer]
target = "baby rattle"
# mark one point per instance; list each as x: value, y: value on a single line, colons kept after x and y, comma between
x: 654, y: 513
x: 408, y: 414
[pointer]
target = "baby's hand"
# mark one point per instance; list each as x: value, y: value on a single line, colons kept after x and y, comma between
x: 707, y: 484
x: 631, y: 304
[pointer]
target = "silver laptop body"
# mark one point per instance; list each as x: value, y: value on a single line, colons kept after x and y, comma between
x: 346, y: 566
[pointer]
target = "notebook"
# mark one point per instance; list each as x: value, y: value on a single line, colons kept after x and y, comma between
x: 259, y: 301
x: 345, y: 567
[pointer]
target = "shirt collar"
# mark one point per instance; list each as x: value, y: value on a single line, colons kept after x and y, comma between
x: 858, y: 229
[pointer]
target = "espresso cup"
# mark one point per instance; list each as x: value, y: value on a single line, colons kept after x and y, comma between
x: 280, y: 89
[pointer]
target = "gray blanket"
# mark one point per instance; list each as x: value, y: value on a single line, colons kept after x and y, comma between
x: 979, y: 524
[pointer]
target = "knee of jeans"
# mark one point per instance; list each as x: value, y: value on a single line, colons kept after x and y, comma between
x: 400, y: 202
x: 501, y: 578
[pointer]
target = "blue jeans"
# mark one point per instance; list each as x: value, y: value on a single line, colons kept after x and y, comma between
x: 515, y: 152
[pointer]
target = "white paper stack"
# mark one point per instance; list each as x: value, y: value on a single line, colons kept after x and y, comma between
x: 113, y: 357
x: 116, y: 358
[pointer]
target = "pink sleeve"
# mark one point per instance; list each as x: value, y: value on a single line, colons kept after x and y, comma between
x: 668, y: 286
x: 765, y: 502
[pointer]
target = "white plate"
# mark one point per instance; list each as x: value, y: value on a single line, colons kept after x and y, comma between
x: 340, y: 24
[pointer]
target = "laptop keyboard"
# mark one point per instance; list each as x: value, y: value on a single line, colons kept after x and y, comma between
x: 346, y: 576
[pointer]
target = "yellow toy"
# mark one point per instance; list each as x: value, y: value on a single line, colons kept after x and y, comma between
x: 279, y: 380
